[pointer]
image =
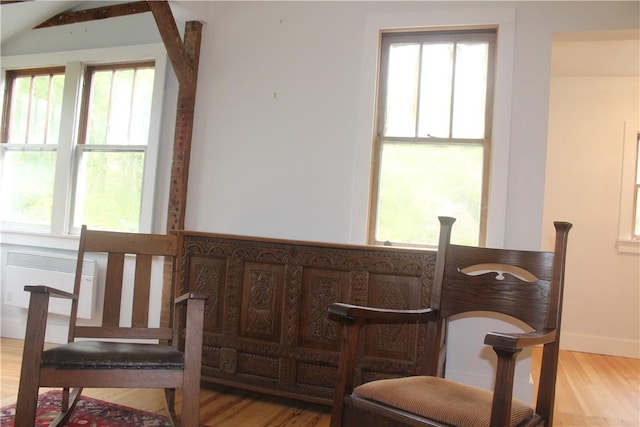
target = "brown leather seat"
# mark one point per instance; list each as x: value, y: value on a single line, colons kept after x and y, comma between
x: 117, y: 351
x: 112, y: 355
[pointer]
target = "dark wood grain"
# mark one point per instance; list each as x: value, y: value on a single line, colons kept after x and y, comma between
x: 173, y: 363
x: 266, y: 321
x: 525, y: 285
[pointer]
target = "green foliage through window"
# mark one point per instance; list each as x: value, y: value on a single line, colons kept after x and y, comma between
x: 110, y: 174
x: 433, y: 136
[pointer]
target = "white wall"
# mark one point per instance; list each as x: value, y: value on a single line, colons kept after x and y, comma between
x: 283, y: 121
x: 283, y: 135
x: 595, y: 88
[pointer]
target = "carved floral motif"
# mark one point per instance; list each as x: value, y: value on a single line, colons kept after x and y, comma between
x: 260, y: 309
x: 324, y: 291
x: 270, y: 298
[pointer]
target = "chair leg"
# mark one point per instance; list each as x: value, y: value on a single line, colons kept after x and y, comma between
x: 69, y: 402
x: 192, y: 363
x: 190, y: 405
x: 27, y: 403
x: 170, y: 401
x: 346, y: 364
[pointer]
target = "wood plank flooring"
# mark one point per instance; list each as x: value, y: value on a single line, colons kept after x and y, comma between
x: 595, y: 390
x: 592, y: 390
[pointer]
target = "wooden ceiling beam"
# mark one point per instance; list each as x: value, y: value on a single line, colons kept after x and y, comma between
x: 181, y: 61
x: 96, y: 13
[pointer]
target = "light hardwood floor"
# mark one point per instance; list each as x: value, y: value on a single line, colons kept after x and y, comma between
x: 592, y: 390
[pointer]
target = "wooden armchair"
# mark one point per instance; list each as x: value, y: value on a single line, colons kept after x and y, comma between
x: 523, y: 284
x: 111, y: 354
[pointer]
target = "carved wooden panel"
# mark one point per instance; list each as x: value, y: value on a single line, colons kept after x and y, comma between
x: 266, y: 322
x: 261, y: 312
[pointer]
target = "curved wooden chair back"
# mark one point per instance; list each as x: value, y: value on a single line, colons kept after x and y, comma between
x: 525, y: 285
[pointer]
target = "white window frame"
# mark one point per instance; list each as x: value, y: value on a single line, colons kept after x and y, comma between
x: 468, y: 32
x: 627, y: 242
x: 75, y: 63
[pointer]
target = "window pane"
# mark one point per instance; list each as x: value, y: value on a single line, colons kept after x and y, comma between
x: 402, y: 89
x: 55, y: 109
x: 109, y: 190
x: 119, y: 107
x: 36, y: 105
x: 141, y: 113
x: 638, y: 162
x: 39, y: 110
x: 636, y: 231
x: 99, y: 105
x: 470, y: 90
x: 420, y: 182
x: 19, y: 119
x: 435, y: 90
x: 121, y: 93
x: 26, y: 188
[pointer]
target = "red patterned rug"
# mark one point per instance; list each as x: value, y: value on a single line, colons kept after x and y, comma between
x: 88, y: 413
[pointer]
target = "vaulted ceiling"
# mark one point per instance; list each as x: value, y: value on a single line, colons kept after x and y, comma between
x: 19, y: 16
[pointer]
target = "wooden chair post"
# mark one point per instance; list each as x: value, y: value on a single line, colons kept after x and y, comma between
x: 346, y: 362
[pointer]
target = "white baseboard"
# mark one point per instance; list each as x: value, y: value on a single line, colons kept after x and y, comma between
x: 600, y: 345
x: 55, y: 334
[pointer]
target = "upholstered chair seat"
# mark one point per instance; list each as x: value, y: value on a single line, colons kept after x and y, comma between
x: 439, y: 399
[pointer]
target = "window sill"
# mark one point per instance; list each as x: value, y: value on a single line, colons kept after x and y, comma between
x: 628, y: 246
x: 39, y: 240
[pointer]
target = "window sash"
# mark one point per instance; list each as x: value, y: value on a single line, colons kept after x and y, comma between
x: 30, y: 192
x: 113, y: 112
x: 381, y: 138
x: 75, y: 64
x: 31, y: 121
x: 116, y: 141
x: 636, y: 199
x: 100, y: 191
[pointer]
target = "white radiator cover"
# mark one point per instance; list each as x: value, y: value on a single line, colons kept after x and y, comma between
x: 56, y: 271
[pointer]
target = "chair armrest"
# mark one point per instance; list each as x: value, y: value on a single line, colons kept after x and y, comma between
x: 507, y: 346
x: 190, y: 295
x: 53, y: 292
x: 380, y: 315
x: 517, y: 341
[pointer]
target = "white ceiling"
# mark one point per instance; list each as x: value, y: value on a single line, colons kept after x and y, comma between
x: 583, y: 53
x: 21, y: 16
x: 24, y: 15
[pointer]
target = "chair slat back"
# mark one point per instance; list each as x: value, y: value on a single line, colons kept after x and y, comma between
x: 515, y: 283
x: 113, y: 290
x: 140, y: 315
x: 123, y: 251
x: 526, y: 285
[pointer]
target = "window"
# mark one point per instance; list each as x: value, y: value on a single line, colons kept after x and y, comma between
x: 636, y: 228
x: 433, y: 136
x: 629, y: 209
x: 112, y: 147
x: 79, y: 146
x: 30, y: 135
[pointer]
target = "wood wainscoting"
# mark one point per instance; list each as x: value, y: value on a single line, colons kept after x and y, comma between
x: 266, y: 323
